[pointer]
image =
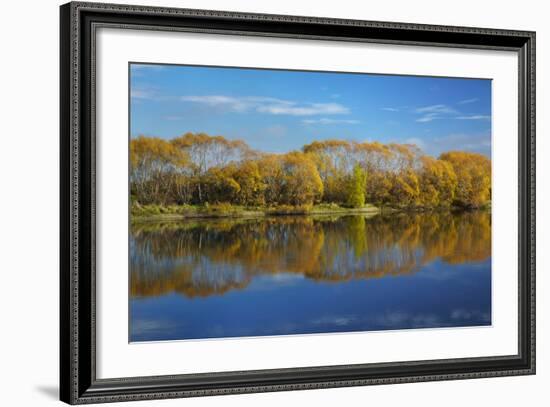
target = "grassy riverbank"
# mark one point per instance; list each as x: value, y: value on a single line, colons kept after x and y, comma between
x: 146, y: 213
x: 175, y: 212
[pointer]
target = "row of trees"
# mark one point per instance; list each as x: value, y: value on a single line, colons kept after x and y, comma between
x: 200, y: 169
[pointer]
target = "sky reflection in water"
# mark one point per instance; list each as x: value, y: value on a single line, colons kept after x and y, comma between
x: 303, y: 274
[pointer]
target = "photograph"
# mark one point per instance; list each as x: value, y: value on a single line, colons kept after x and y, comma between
x: 266, y: 202
x: 256, y: 201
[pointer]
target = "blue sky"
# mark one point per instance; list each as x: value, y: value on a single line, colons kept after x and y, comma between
x: 279, y: 111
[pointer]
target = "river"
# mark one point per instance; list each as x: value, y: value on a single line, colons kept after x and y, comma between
x: 214, y: 278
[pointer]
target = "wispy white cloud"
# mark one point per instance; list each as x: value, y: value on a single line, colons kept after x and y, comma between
x: 475, y: 117
x: 428, y: 118
x: 143, y: 93
x: 466, y: 101
x: 439, y: 109
x: 390, y: 109
x: 330, y: 121
x: 312, y: 109
x: 434, y: 112
x: 228, y: 102
x: 267, y: 105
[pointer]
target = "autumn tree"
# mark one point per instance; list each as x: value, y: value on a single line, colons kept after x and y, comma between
x: 219, y: 185
x: 153, y: 166
x: 403, y: 157
x: 379, y: 185
x: 438, y: 183
x: 473, y: 174
x: 252, y: 186
x: 211, y: 151
x: 206, y: 152
x: 334, y: 160
x: 373, y: 156
x: 197, y: 168
x: 405, y: 189
x: 271, y: 172
x: 301, y: 183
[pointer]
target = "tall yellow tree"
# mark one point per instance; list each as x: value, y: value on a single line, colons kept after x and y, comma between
x: 438, y: 183
x: 405, y: 189
x: 473, y: 173
x: 301, y: 181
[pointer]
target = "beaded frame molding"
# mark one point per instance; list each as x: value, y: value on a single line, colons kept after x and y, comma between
x: 78, y: 381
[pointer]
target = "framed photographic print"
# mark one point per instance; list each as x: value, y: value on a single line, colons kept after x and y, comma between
x: 256, y: 203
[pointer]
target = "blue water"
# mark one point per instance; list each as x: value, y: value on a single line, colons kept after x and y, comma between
x: 300, y: 275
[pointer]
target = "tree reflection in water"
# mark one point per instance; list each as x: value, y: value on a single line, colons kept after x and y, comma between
x: 199, y: 258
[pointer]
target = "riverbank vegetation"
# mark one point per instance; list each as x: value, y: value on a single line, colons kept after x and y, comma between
x: 167, y: 212
x: 202, y: 174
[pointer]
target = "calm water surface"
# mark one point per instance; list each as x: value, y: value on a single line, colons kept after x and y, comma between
x: 307, y: 274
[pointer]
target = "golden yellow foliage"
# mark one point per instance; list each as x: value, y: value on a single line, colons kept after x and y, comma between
x: 196, y: 168
x: 473, y: 174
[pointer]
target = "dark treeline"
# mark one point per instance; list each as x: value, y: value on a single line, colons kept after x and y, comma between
x: 199, y: 169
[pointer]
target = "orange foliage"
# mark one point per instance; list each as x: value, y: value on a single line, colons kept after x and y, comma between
x: 200, y: 169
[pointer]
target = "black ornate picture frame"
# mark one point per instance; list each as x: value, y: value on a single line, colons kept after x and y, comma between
x: 79, y: 384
